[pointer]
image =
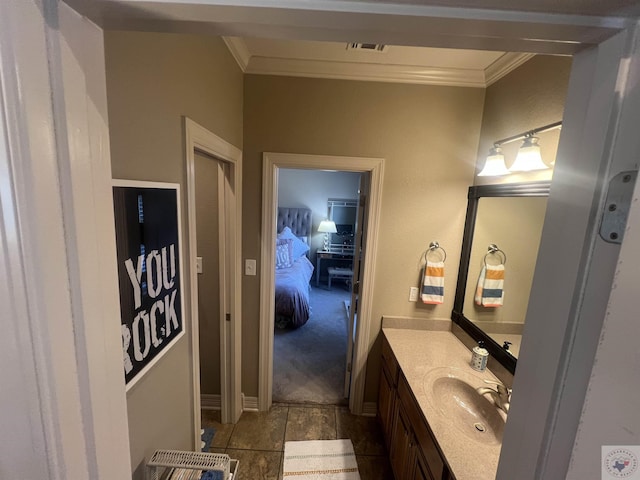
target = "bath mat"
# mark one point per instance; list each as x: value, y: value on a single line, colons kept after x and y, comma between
x: 206, y: 438
x: 320, y: 459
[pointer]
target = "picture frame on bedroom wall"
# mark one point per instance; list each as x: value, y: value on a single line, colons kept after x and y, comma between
x: 150, y: 276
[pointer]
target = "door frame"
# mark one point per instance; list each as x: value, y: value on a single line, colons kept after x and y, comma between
x: 272, y: 162
x: 198, y: 138
x: 53, y: 383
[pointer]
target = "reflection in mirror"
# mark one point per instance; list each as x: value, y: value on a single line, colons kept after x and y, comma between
x: 514, y: 224
x: 343, y: 213
x: 509, y: 216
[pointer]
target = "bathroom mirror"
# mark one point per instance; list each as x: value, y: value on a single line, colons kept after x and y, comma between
x: 508, y: 217
x: 343, y: 212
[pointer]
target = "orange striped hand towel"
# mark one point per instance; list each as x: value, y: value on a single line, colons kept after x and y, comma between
x: 433, y: 283
x: 493, y: 286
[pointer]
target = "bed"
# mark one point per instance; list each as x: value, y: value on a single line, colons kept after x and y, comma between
x: 293, y: 268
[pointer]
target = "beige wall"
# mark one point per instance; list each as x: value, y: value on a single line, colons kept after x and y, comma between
x: 531, y: 96
x: 208, y: 245
x: 429, y: 138
x: 152, y: 80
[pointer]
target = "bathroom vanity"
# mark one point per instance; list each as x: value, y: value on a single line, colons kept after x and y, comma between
x: 430, y: 432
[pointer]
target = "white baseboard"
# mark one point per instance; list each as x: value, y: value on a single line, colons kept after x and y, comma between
x: 249, y: 404
x: 210, y: 402
x: 213, y: 402
x: 369, y: 409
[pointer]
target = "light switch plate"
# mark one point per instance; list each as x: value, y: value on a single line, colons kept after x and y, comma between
x: 198, y: 264
x: 250, y: 266
x: 413, y: 294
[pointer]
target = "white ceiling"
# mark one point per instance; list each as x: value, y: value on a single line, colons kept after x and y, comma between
x: 422, y: 65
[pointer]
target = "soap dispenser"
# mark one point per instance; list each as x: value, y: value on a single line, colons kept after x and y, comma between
x: 479, y: 357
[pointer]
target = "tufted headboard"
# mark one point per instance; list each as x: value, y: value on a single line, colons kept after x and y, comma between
x: 297, y: 219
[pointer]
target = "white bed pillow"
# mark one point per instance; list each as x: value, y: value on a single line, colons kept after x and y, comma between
x: 284, y: 253
x: 299, y: 247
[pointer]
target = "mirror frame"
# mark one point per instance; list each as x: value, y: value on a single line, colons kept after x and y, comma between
x: 530, y: 189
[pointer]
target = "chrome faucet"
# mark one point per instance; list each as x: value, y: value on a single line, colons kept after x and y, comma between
x: 501, y: 395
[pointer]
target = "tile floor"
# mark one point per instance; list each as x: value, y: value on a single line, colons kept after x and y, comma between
x: 257, y: 440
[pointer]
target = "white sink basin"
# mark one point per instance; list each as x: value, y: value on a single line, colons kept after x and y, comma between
x: 452, y: 391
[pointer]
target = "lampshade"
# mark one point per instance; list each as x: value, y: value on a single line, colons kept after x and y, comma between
x: 327, y: 226
x: 494, y: 166
x: 529, y: 157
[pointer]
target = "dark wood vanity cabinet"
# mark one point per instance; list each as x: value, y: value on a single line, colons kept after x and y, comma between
x: 412, y: 450
x: 387, y: 392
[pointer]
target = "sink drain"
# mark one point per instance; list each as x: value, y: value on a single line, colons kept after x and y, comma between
x: 480, y: 427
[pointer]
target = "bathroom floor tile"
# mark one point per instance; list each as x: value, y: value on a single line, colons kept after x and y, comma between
x: 311, y: 423
x: 211, y: 418
x: 364, y: 432
x: 257, y: 440
x: 257, y: 464
x: 260, y: 430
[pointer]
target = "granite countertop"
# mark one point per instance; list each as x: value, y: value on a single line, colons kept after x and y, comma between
x: 417, y: 353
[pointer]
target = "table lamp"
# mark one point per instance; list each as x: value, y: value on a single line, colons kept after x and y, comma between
x: 327, y: 227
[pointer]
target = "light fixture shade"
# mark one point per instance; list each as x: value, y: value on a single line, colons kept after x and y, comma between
x: 529, y: 157
x: 494, y: 166
x: 327, y: 226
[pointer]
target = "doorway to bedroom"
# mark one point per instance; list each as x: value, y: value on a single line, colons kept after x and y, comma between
x: 311, y: 348
x: 365, y: 249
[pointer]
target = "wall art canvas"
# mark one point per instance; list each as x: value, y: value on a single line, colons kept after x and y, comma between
x: 148, y: 243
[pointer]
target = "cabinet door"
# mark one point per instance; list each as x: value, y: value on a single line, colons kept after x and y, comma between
x: 402, y: 446
x: 427, y: 445
x: 386, y: 397
x: 421, y: 471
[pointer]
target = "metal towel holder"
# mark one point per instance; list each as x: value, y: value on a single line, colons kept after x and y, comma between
x: 433, y: 247
x: 493, y: 249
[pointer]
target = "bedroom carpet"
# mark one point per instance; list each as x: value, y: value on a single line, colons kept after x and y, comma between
x: 309, y: 362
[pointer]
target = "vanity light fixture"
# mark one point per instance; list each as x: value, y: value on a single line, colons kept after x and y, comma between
x: 327, y: 227
x: 494, y: 166
x: 528, y: 158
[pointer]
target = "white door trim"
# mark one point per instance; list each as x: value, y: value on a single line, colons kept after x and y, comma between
x: 199, y: 138
x: 64, y: 409
x: 271, y: 163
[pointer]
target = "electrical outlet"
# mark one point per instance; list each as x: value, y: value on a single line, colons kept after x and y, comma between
x: 413, y: 294
x: 250, y: 266
x: 198, y: 264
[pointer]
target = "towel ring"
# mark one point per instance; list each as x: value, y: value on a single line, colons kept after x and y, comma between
x: 433, y: 246
x: 493, y: 249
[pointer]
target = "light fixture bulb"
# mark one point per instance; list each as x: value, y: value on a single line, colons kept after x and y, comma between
x: 529, y: 157
x: 494, y: 165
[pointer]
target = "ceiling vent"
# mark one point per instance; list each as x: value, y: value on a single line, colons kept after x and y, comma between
x: 369, y: 47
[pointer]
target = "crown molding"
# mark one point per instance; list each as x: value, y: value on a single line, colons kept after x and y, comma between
x: 505, y: 65
x: 366, y: 72
x: 238, y: 48
x: 373, y: 72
